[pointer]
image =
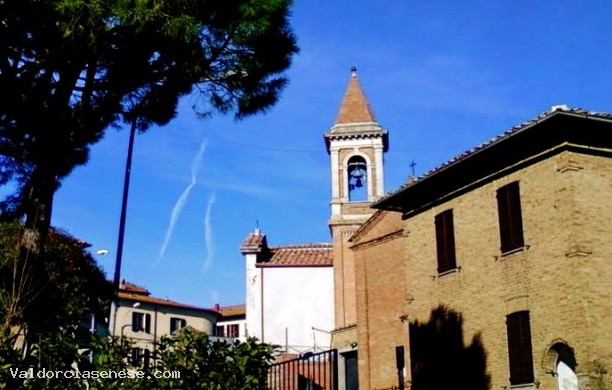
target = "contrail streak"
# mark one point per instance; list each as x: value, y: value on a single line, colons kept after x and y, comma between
x: 180, y: 203
x: 208, y: 233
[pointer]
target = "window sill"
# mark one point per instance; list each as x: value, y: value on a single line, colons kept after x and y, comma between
x: 447, y: 272
x: 511, y: 252
x: 525, y: 386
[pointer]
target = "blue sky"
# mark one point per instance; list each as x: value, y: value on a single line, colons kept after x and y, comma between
x: 441, y: 76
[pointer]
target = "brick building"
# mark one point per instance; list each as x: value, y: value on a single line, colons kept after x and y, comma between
x: 493, y: 270
x: 489, y: 272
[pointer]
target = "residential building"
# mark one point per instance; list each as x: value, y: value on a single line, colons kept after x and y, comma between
x: 146, y: 319
x: 495, y: 265
x: 232, y: 322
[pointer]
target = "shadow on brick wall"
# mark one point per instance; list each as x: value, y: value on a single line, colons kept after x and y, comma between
x: 439, y: 358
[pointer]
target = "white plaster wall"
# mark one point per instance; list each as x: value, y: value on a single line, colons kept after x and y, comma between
x: 160, y: 321
x: 296, y: 299
x: 253, y: 297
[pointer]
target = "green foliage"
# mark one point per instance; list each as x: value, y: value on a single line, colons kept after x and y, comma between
x: 215, y: 365
x: 61, y: 290
x: 63, y: 351
x: 69, y: 69
x: 202, y: 363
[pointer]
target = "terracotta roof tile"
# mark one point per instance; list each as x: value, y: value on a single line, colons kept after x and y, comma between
x: 300, y: 255
x: 132, y: 288
x: 354, y: 107
x: 555, y: 110
x: 232, y: 311
x: 160, y: 301
x: 254, y: 242
x: 133, y: 292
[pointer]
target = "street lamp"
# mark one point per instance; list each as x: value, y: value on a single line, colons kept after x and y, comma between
x: 123, y: 328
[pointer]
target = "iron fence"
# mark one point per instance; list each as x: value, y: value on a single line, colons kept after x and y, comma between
x: 310, y: 371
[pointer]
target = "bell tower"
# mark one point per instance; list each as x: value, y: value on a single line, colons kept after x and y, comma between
x: 356, y: 144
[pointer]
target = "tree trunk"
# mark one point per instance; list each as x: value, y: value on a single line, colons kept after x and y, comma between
x: 38, y: 209
x: 27, y: 276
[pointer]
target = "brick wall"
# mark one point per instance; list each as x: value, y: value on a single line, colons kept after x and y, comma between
x: 562, y: 276
x: 344, y: 277
x: 381, y: 301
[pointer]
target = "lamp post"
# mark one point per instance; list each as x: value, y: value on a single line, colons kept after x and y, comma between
x: 121, y: 235
x: 126, y: 189
x: 123, y: 328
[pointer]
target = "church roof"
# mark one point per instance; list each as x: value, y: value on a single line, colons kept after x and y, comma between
x: 354, y: 107
x: 559, y: 125
x: 299, y: 255
x: 294, y: 255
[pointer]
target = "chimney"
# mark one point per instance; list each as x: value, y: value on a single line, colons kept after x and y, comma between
x: 559, y: 107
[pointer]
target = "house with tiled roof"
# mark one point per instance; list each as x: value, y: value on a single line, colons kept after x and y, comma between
x: 144, y: 319
x: 500, y: 265
x: 231, y: 322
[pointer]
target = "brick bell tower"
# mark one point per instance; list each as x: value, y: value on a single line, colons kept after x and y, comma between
x: 356, y: 144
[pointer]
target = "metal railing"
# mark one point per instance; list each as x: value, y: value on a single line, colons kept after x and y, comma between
x: 310, y: 371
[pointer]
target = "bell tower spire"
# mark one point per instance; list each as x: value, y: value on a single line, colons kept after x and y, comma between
x: 354, y: 107
x: 356, y: 144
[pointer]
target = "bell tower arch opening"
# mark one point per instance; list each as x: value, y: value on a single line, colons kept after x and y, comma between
x: 357, y: 179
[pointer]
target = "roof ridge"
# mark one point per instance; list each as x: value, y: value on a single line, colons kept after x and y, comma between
x: 554, y: 110
x: 308, y: 245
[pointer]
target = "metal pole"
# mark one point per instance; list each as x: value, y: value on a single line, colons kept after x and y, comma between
x: 126, y: 189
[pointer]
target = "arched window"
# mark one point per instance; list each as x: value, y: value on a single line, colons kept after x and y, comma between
x: 357, y: 174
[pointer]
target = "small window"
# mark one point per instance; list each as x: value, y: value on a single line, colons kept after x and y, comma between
x: 357, y: 172
x: 510, y: 217
x: 140, y: 357
x: 177, y: 323
x: 445, y: 241
x: 141, y: 322
x: 233, y: 330
x: 220, y: 331
x: 520, y: 356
